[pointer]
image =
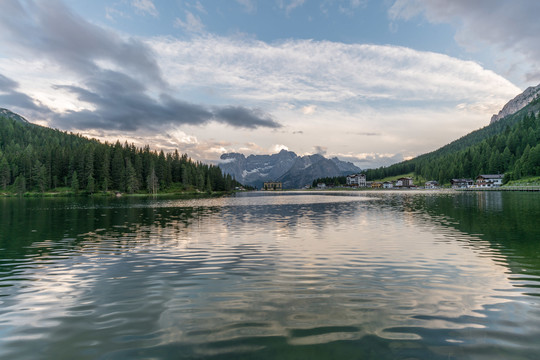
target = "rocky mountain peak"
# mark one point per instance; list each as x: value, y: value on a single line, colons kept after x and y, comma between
x: 517, y: 103
x: 11, y: 115
x: 286, y: 166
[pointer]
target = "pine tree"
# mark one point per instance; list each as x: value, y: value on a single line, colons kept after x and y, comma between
x: 20, y: 184
x: 39, y: 176
x: 105, y: 171
x: 118, y: 169
x: 208, y: 185
x: 75, y: 182
x: 5, y: 176
x: 131, y: 178
x: 90, y: 184
x: 152, y: 182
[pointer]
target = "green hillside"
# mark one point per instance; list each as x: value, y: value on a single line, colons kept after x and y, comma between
x: 39, y: 159
x: 509, y: 146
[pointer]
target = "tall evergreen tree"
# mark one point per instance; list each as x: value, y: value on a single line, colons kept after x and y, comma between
x: 90, y: 184
x: 152, y: 182
x: 5, y: 176
x: 39, y: 176
x: 20, y: 184
x: 131, y: 178
x: 75, y: 182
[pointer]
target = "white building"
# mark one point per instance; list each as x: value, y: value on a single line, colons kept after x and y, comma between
x: 489, y: 180
x: 461, y: 183
x: 356, y: 180
x: 404, y: 182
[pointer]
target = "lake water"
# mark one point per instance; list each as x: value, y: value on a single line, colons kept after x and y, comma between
x: 307, y: 275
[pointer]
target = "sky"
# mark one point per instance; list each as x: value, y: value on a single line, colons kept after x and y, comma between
x: 368, y: 81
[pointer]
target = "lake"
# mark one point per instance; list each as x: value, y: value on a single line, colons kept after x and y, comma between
x: 292, y: 275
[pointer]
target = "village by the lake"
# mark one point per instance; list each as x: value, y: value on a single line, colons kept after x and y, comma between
x: 358, y: 181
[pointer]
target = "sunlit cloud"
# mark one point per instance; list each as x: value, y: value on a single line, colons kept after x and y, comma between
x: 326, y: 72
x: 278, y: 147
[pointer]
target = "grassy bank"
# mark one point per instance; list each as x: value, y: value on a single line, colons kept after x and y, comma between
x: 527, y: 181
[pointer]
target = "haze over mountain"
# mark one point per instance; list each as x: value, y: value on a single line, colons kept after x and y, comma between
x: 509, y: 145
x: 286, y: 166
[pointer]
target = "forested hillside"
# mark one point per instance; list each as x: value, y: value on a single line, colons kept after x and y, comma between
x: 36, y: 158
x: 510, y: 145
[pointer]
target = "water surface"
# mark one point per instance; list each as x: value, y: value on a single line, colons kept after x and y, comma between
x: 359, y: 275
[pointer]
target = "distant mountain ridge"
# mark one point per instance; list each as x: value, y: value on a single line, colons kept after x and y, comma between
x: 292, y: 170
x: 11, y: 115
x: 517, y: 103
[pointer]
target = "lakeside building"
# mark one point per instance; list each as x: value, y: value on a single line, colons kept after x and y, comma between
x: 388, y: 185
x: 489, y: 180
x: 376, y: 185
x: 404, y: 182
x: 358, y: 180
x: 461, y: 183
x: 433, y: 184
x: 273, y: 185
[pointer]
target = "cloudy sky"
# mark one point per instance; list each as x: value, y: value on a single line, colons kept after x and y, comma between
x: 369, y: 81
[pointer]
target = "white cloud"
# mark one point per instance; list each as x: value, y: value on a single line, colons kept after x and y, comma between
x: 249, y: 5
x: 112, y: 13
x: 192, y: 23
x: 327, y: 73
x: 278, y: 147
x: 511, y: 27
x: 199, y: 7
x: 359, y: 98
x: 145, y: 6
x: 290, y: 5
x: 308, y: 109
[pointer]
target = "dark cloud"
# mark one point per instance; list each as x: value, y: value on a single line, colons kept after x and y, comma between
x: 368, y: 134
x: 241, y: 117
x: 49, y: 29
x: 121, y: 103
x: 321, y: 150
x: 11, y: 98
x: 120, y: 98
x: 6, y: 84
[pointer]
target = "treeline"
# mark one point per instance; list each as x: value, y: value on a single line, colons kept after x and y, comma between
x: 331, y: 181
x: 509, y: 146
x: 35, y: 158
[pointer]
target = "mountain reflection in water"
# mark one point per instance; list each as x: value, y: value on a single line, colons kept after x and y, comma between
x: 427, y: 275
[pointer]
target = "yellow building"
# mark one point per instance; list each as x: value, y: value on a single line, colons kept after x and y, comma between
x: 273, y: 185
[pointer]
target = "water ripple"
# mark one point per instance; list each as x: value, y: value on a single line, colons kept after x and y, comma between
x: 385, y: 275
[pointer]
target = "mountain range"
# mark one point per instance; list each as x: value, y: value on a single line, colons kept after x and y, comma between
x: 292, y: 170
